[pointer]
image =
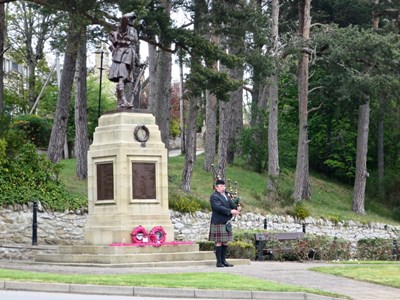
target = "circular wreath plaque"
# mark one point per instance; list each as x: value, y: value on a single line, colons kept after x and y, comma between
x: 141, y: 133
x: 157, y: 235
x: 138, y: 234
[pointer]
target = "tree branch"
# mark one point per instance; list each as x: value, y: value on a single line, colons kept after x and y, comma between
x: 315, y: 108
x: 313, y: 89
x: 249, y: 89
x: 4, y: 51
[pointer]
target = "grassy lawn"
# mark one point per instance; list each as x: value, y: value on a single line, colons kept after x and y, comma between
x: 184, y: 280
x: 387, y: 274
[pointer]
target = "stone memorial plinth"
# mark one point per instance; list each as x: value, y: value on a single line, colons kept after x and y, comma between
x: 127, y: 179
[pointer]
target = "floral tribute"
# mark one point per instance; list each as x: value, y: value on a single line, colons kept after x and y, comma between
x: 156, y: 237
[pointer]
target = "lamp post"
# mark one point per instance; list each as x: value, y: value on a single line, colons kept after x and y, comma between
x: 101, y: 52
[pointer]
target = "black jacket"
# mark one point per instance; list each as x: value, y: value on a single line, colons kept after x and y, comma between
x: 221, y: 208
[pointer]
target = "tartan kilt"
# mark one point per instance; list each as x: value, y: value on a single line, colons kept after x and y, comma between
x: 219, y: 234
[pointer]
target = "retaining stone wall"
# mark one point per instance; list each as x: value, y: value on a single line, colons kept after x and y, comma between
x: 55, y: 228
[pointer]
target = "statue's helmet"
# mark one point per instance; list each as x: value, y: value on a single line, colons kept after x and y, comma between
x: 130, y: 16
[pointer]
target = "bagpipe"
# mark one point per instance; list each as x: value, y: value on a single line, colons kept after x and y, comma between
x: 232, y: 192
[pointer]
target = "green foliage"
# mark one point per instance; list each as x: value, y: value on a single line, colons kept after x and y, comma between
x: 37, y: 129
x: 240, y: 249
x: 14, y: 139
x: 333, y: 148
x: 390, y: 186
x: 374, y: 249
x: 184, y: 203
x: 236, y: 249
x: 3, y: 154
x: 253, y: 143
x: 217, y: 82
x: 310, y: 248
x: 29, y: 176
x: 206, y: 245
x: 396, y: 213
x: 299, y: 211
x: 335, y: 219
x: 174, y: 128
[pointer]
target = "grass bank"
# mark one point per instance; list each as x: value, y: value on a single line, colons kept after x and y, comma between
x: 387, y: 274
x: 185, y: 280
x: 330, y: 200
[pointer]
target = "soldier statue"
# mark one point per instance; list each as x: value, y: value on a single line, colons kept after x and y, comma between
x: 125, y: 61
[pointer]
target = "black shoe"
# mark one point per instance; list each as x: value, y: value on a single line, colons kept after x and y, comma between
x: 226, y: 264
x: 220, y: 265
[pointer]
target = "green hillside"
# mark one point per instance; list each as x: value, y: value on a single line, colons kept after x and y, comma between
x: 330, y: 200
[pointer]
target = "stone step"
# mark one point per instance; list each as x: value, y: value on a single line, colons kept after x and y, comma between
x: 131, y: 256
x: 125, y: 258
x: 210, y: 262
x: 93, y: 249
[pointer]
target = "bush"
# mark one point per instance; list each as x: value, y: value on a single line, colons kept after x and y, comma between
x: 374, y: 249
x: 300, y: 211
x: 240, y: 249
x: 236, y: 249
x: 174, y: 128
x: 311, y: 247
x: 396, y: 213
x: 184, y: 203
x: 28, y: 176
x: 37, y: 129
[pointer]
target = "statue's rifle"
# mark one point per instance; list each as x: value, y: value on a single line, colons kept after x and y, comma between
x: 144, y: 65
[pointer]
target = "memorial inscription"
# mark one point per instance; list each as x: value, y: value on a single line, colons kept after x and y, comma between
x: 105, y: 181
x: 143, y: 180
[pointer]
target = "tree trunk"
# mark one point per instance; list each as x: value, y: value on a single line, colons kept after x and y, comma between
x: 236, y: 119
x: 163, y: 96
x: 2, y: 36
x: 273, y: 86
x: 162, y: 86
x: 153, y: 103
x: 381, y: 149
x: 200, y: 10
x: 59, y: 130
x: 302, y: 188
x: 81, y: 129
x: 211, y: 131
x: 211, y: 121
x: 224, y: 127
x: 190, y: 155
x: 361, y: 159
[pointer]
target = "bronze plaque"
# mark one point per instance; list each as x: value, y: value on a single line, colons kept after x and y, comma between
x: 143, y: 180
x: 105, y: 181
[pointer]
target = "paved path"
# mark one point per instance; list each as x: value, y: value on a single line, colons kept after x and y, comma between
x: 284, y: 272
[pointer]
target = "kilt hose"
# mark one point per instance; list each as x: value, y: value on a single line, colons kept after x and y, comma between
x: 219, y: 234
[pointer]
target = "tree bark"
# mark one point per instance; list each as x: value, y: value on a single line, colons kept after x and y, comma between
x: 273, y: 86
x: 236, y: 119
x: 190, y: 155
x: 224, y: 127
x: 152, y: 103
x: 211, y: 122
x: 2, y: 36
x: 361, y: 159
x: 381, y: 148
x: 302, y: 188
x: 59, y: 129
x: 160, y: 93
x: 200, y: 10
x: 81, y: 128
x: 211, y: 131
